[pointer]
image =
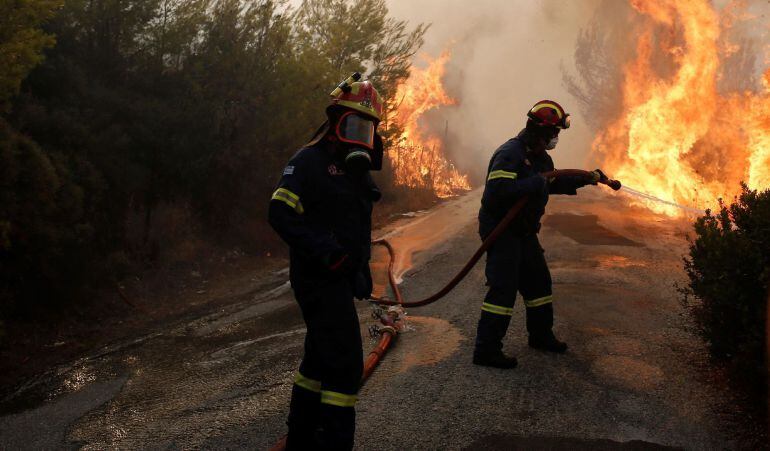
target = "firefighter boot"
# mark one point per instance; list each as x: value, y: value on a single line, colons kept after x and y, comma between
x: 495, y: 359
x: 338, y: 425
x: 539, y: 326
x: 489, y: 344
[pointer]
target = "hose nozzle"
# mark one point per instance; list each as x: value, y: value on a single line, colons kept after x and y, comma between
x: 602, y: 178
x: 614, y: 184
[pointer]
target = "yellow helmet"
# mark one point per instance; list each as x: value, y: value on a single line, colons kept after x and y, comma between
x: 358, y: 95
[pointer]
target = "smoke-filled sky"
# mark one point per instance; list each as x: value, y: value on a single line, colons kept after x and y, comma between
x: 506, y: 55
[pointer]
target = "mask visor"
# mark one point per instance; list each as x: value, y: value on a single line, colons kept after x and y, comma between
x: 354, y: 129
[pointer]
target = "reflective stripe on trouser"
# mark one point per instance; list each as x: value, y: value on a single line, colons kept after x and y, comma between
x: 338, y: 399
x: 515, y: 264
x: 307, y: 383
x: 497, y: 309
x: 333, y: 356
x: 537, y: 302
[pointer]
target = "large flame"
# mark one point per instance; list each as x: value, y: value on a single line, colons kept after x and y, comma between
x: 679, y: 138
x: 418, y: 157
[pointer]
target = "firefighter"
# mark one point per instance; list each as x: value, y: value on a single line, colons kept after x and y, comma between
x: 515, y: 262
x: 322, y: 208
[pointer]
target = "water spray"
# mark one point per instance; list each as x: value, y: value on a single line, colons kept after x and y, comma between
x: 650, y: 197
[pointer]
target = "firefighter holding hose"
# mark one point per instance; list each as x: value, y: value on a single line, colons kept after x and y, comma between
x: 322, y: 208
x: 515, y: 262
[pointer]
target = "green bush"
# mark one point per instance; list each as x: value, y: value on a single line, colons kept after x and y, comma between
x: 45, y: 234
x: 729, y: 272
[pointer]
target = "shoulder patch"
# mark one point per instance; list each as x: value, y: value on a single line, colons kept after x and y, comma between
x: 289, y: 170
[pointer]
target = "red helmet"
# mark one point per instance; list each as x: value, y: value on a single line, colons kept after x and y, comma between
x: 547, y: 113
x: 360, y: 96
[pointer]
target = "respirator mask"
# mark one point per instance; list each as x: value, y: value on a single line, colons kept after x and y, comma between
x: 362, y: 148
x: 549, y: 136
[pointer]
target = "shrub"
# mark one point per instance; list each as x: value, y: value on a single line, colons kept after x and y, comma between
x: 729, y: 272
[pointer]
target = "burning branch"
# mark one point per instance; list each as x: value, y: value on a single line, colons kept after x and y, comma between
x: 418, y: 157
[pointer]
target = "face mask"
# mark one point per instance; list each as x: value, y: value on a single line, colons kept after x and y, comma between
x: 552, y: 143
x: 361, y: 147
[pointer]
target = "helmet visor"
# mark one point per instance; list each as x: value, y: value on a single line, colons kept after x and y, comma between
x: 354, y: 129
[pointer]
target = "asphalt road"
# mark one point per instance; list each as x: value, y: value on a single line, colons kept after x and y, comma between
x: 634, y: 377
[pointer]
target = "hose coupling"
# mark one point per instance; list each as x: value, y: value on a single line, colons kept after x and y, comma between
x: 396, y: 312
x: 390, y: 329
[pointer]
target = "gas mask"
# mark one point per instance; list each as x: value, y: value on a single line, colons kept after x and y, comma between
x: 361, y: 147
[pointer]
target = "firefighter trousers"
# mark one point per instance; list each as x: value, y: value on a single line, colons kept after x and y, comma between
x: 322, y: 411
x: 515, y: 264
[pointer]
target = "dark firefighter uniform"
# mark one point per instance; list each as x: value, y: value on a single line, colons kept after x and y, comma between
x: 322, y: 208
x: 515, y: 262
x: 320, y: 211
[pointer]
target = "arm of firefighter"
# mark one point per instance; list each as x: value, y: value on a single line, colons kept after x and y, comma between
x: 286, y: 215
x: 504, y: 186
x: 567, y: 185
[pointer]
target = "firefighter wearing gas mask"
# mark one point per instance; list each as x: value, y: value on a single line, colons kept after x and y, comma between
x: 515, y: 262
x: 322, y: 208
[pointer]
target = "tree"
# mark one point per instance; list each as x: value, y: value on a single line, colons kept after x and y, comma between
x: 359, y: 36
x: 145, y: 106
x: 44, y: 226
x: 601, y: 52
x: 22, y: 41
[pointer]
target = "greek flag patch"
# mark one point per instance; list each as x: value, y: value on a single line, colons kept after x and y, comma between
x: 289, y: 170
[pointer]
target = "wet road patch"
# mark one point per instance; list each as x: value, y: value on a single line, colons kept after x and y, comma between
x: 51, y: 421
x: 434, y: 340
x: 585, y: 229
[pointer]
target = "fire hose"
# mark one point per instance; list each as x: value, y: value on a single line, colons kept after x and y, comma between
x: 392, y: 320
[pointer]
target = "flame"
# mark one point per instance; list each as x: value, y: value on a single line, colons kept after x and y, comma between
x: 418, y: 157
x: 678, y: 138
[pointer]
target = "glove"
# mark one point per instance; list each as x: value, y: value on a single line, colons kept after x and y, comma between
x: 362, y: 288
x: 338, y: 263
x: 596, y: 176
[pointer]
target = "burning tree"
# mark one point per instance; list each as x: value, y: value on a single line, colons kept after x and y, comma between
x: 678, y: 135
x: 418, y: 154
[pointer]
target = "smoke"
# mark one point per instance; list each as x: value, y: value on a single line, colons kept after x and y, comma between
x: 506, y: 55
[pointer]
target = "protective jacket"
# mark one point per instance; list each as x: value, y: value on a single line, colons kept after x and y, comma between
x: 320, y: 210
x: 512, y: 174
